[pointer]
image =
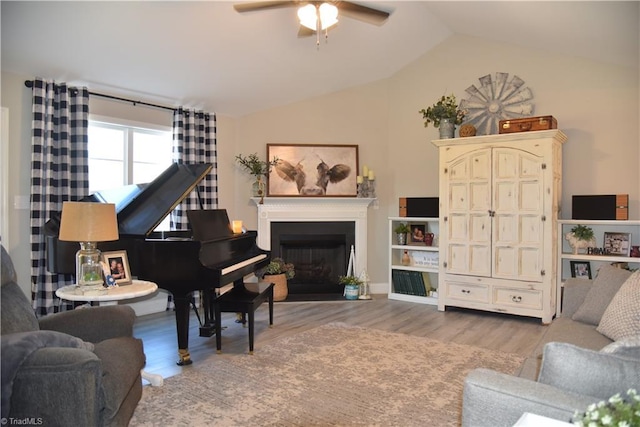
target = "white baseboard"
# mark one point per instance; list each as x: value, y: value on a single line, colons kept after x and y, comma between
x: 154, y: 303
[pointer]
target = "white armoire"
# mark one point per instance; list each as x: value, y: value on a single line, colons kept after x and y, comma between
x: 499, y: 203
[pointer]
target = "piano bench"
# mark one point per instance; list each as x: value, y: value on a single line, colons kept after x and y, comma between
x: 243, y: 299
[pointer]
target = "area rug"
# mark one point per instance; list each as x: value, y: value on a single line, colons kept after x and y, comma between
x: 333, y: 375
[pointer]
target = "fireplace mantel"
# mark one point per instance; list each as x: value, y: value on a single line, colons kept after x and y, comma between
x: 314, y: 209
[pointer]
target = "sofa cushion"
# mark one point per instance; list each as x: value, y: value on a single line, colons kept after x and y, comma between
x: 605, y: 286
x: 622, y: 317
x: 588, y: 372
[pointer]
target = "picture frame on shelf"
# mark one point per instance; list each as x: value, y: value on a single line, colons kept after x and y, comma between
x: 581, y: 269
x: 119, y: 266
x: 418, y: 233
x: 295, y: 172
x: 617, y: 244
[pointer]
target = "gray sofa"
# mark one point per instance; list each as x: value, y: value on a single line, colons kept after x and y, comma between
x: 575, y: 364
x: 78, y: 368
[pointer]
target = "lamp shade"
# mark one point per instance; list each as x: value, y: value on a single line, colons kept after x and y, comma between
x: 88, y: 222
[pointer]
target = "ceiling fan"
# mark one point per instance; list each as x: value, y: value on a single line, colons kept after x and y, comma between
x: 315, y: 16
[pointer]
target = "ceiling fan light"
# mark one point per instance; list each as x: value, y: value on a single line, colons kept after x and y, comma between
x: 328, y: 15
x: 308, y: 16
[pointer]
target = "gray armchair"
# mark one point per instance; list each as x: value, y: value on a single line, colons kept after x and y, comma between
x: 77, y: 368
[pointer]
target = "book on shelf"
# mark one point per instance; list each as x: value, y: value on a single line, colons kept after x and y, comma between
x: 410, y: 282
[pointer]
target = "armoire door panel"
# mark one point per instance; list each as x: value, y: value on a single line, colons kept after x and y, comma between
x: 479, y: 260
x: 480, y: 196
x: 458, y: 197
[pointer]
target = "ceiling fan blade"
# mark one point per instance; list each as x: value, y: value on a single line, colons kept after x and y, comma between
x: 264, y: 5
x: 361, y: 13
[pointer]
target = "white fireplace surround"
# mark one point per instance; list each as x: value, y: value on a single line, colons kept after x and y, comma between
x: 316, y: 209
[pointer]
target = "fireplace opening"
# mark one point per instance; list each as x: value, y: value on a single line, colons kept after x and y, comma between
x: 319, y: 251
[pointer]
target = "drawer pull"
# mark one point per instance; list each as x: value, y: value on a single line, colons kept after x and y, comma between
x: 516, y: 298
x: 465, y: 291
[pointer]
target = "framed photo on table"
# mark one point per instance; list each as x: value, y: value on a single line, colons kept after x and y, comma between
x: 313, y: 170
x: 581, y: 269
x: 119, y: 266
x: 617, y: 244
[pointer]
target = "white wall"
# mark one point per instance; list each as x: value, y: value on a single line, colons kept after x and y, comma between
x: 597, y: 106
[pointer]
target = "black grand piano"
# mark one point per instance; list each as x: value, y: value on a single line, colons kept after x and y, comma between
x: 177, y: 261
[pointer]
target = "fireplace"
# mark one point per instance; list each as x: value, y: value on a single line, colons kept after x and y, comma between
x: 319, y: 250
x: 316, y: 234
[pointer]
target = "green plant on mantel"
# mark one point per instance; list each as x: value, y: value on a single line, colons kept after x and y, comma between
x: 254, y: 165
x: 446, y: 107
x: 582, y: 232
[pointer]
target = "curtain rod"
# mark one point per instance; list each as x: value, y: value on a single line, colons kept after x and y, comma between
x: 29, y: 84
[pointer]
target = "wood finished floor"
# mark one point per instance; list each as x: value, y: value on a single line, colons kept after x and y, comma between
x: 494, y: 331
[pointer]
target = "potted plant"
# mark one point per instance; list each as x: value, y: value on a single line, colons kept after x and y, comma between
x: 259, y: 169
x: 351, y: 286
x: 444, y: 114
x: 401, y: 231
x: 580, y: 237
x: 278, y: 272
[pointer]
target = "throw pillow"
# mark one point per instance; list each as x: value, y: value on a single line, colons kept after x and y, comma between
x: 605, y: 286
x: 622, y: 318
x: 628, y: 347
x: 587, y: 372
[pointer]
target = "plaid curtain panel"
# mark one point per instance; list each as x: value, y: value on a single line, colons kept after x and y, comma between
x: 59, y: 172
x: 194, y: 141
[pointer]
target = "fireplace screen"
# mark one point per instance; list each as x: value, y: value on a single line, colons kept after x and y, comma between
x: 318, y: 250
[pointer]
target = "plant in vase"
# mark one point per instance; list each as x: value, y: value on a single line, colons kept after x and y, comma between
x: 401, y: 231
x: 351, y: 286
x: 259, y: 169
x: 580, y: 237
x: 445, y: 115
x: 278, y: 272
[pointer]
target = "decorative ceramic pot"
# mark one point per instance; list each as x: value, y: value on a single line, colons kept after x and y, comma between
x: 447, y: 127
x: 351, y: 291
x: 402, y: 238
x: 280, y: 288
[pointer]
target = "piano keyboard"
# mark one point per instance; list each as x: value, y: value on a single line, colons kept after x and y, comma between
x: 244, y: 263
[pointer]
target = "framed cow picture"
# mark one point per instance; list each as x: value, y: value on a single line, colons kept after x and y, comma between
x: 312, y: 170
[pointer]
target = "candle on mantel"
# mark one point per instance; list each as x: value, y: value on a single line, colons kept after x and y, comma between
x: 236, y: 227
x: 371, y: 175
x: 359, y: 179
x: 365, y: 170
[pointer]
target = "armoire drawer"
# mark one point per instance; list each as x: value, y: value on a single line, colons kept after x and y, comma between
x: 468, y: 292
x: 518, y: 298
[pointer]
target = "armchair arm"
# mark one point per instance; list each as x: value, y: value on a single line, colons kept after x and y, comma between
x: 494, y: 399
x: 61, y: 386
x: 93, y: 324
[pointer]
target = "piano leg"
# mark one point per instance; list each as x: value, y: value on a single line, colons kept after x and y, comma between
x: 182, y: 304
x: 208, y: 327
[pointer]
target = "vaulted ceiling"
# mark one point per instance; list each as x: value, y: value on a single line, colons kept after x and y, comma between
x: 204, y: 54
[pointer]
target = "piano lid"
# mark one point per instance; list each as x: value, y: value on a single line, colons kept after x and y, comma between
x: 140, y: 208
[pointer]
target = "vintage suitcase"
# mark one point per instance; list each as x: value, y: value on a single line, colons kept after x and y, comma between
x: 527, y: 124
x: 425, y: 207
x: 608, y: 206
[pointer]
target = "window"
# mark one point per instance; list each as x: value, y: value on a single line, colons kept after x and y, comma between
x: 123, y: 152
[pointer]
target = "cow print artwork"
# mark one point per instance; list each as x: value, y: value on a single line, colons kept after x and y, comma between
x: 311, y: 170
